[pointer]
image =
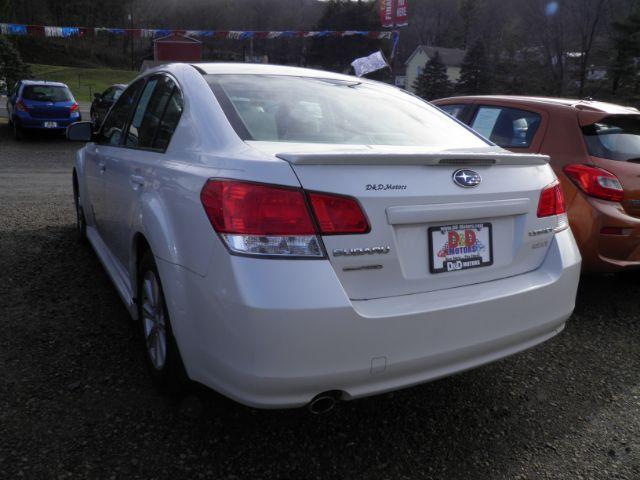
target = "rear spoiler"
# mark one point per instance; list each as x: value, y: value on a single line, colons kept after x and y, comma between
x: 389, y: 158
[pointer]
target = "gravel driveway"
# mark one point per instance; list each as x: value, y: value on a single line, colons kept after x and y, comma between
x: 76, y: 402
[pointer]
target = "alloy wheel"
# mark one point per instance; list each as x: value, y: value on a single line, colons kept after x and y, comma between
x: 153, y: 321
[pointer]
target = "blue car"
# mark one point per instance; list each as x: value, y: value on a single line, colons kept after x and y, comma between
x: 36, y: 105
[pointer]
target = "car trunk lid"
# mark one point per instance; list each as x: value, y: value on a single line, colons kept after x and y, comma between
x: 39, y: 109
x: 412, y: 203
x: 613, y: 141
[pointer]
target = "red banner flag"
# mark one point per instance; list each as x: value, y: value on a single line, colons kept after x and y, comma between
x: 402, y: 13
x: 387, y: 13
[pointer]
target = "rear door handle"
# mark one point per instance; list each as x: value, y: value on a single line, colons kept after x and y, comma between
x: 137, y: 181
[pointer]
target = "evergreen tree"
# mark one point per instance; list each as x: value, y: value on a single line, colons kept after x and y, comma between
x: 626, y: 41
x: 474, y: 74
x: 433, y: 82
x: 12, y: 68
x: 337, y: 53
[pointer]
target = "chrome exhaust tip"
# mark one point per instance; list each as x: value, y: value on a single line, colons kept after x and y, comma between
x: 323, y: 403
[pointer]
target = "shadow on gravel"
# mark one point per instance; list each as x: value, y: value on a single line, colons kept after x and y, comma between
x: 76, y: 399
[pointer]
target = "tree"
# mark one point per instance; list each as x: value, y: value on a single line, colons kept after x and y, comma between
x: 474, y: 74
x: 586, y: 20
x: 626, y: 42
x: 12, y: 68
x: 336, y: 54
x: 433, y: 82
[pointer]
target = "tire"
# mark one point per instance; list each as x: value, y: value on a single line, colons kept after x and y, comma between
x: 81, y: 222
x: 161, y: 350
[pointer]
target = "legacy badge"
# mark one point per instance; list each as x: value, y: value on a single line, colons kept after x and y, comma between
x: 354, y: 252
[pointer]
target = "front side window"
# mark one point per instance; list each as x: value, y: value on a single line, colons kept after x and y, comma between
x: 507, y: 127
x: 149, y: 113
x: 46, y: 93
x: 615, y: 137
x: 278, y: 108
x: 114, y: 124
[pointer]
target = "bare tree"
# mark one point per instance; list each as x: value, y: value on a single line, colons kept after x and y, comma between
x: 587, y: 19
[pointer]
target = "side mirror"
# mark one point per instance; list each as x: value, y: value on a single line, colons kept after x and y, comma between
x: 80, y: 132
x: 97, y: 96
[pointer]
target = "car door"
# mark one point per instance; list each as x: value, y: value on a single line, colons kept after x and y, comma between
x: 100, y: 155
x: 132, y: 171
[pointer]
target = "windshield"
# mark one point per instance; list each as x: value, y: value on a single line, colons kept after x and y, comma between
x: 313, y: 110
x: 614, y: 138
x: 46, y: 93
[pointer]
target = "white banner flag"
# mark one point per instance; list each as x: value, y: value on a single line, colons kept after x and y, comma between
x: 369, y: 64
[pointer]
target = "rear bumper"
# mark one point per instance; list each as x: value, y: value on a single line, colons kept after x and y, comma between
x: 278, y: 340
x: 605, y: 252
x: 28, y: 122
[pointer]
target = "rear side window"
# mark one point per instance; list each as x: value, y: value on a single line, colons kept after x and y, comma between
x: 615, y: 138
x: 114, y: 124
x: 46, y: 93
x: 455, y: 111
x: 169, y: 122
x: 154, y: 112
x: 507, y: 127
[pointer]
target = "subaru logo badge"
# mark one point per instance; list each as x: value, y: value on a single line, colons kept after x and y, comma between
x: 466, y: 178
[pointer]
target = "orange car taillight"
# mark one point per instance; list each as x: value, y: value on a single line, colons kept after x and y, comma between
x: 595, y: 182
x: 272, y: 220
x: 551, y: 204
x: 21, y: 106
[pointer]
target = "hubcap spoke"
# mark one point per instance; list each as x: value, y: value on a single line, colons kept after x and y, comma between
x: 153, y: 321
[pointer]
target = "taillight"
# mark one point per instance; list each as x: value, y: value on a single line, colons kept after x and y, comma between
x: 596, y: 182
x: 21, y: 106
x: 260, y: 219
x: 551, y: 203
x: 337, y: 215
x: 74, y: 108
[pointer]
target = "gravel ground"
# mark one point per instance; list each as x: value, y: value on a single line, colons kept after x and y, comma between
x: 76, y: 402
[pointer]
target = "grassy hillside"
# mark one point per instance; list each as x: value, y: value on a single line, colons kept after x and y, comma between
x: 83, y: 82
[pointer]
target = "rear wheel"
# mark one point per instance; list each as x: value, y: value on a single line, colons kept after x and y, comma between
x: 161, y: 350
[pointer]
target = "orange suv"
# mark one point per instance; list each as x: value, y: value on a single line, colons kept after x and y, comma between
x: 595, y: 152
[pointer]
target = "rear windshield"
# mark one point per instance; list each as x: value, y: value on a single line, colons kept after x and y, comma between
x: 615, y: 138
x: 313, y: 110
x: 46, y: 93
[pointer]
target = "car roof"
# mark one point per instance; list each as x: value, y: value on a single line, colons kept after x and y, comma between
x: 581, y: 105
x: 267, y: 69
x: 43, y: 82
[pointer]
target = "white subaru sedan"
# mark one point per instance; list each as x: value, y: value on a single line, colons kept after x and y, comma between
x: 295, y: 237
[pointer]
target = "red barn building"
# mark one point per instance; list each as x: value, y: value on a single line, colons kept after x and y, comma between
x: 177, y: 48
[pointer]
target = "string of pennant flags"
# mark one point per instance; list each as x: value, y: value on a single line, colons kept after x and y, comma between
x: 69, y: 32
